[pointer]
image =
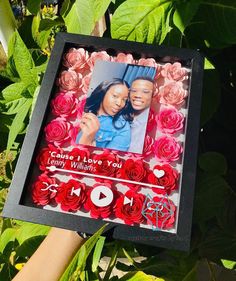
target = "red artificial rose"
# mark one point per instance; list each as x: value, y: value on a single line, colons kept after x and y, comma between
x: 57, y: 131
x: 133, y: 170
x: 97, y: 211
x: 64, y: 104
x: 77, y: 164
x: 167, y: 149
x: 71, y: 195
x: 160, y: 212
x: 44, y: 156
x: 44, y: 190
x: 129, y: 207
x: 170, y: 120
x: 107, y: 164
x: 166, y: 176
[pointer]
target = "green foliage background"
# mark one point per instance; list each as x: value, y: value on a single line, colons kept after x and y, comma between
x: 207, y: 25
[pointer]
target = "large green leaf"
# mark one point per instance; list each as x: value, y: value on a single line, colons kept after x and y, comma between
x: 28, y: 230
x: 46, y: 24
x: 29, y: 246
x: 142, y: 21
x: 7, y: 273
x: 184, y: 13
x: 7, y: 236
x: 83, y: 15
x: 97, y: 253
x: 23, y: 59
x: 213, y: 162
x: 211, y: 92
x: 18, y: 122
x: 229, y: 264
x: 15, y: 96
x: 218, y: 244
x: 77, y: 265
x: 139, y: 276
x: 215, y: 22
x: 34, y: 6
x: 211, y: 195
x: 40, y: 37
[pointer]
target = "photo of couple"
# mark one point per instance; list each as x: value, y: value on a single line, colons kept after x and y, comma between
x: 116, y: 112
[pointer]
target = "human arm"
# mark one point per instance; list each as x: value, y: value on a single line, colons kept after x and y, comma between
x: 89, y: 126
x: 52, y: 257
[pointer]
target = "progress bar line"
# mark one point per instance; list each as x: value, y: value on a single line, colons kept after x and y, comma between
x: 53, y: 169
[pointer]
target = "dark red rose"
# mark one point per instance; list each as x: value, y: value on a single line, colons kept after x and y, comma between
x: 133, y: 170
x: 64, y: 104
x: 57, y: 131
x: 107, y: 164
x: 160, y: 213
x: 44, y: 190
x: 97, y: 211
x: 77, y: 163
x: 164, y: 175
x: 71, y: 195
x: 44, y: 157
x: 129, y: 207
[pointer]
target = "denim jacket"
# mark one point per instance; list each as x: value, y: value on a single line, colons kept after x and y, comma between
x: 110, y: 137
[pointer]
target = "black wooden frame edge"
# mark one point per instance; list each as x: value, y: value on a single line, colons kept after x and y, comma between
x: 12, y: 208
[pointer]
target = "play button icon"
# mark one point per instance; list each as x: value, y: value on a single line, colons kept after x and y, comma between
x: 101, y: 196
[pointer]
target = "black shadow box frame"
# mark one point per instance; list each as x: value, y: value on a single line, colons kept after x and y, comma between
x: 15, y: 207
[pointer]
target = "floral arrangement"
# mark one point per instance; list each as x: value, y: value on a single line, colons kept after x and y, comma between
x: 156, y: 171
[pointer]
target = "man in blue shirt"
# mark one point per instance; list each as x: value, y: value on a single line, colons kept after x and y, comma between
x: 141, y: 93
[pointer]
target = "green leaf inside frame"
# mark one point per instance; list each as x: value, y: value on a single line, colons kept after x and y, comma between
x: 142, y: 21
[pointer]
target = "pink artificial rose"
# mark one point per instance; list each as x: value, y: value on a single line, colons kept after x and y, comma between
x: 151, y: 120
x: 70, y: 81
x: 174, y: 72
x: 172, y: 93
x: 85, y: 83
x: 170, y: 120
x: 167, y: 149
x: 76, y: 59
x: 103, y: 55
x: 125, y: 58
x: 147, y: 62
x: 57, y: 131
x: 64, y: 104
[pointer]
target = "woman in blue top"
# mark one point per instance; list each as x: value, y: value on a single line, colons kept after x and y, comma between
x: 106, y: 119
